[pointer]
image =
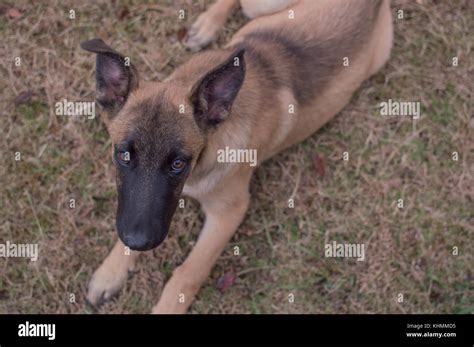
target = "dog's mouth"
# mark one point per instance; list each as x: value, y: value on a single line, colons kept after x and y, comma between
x: 139, y: 242
x: 142, y: 234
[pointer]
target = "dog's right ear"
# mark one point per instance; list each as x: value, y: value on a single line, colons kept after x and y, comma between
x: 116, y: 77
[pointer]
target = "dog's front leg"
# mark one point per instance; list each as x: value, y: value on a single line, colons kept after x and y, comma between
x: 111, y: 275
x: 224, y: 212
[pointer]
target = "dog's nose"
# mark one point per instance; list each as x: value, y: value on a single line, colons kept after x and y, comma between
x: 139, y: 241
x: 141, y: 234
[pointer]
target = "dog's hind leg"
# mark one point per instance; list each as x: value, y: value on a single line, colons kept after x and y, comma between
x: 224, y: 211
x: 205, y: 28
x: 384, y: 41
x: 111, y: 275
x: 253, y: 8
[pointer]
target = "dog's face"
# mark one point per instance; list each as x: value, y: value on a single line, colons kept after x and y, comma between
x: 155, y: 148
x: 158, y: 132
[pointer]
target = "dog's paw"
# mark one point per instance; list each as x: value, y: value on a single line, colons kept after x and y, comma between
x: 203, y: 31
x: 105, y: 283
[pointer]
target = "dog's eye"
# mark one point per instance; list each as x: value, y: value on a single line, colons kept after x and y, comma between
x: 178, y: 165
x: 123, y: 157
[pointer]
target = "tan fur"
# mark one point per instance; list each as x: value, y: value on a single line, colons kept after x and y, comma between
x: 253, y: 9
x: 222, y: 190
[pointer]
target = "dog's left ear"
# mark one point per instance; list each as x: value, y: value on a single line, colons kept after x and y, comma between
x: 116, y: 77
x: 212, y: 97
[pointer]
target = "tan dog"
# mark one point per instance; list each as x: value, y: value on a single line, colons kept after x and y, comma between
x: 283, y: 76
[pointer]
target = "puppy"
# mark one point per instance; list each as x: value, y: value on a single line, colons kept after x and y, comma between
x: 281, y: 77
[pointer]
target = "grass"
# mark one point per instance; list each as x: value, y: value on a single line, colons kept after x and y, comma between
x: 408, y: 250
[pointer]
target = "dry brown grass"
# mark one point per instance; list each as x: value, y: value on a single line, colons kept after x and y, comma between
x: 409, y: 251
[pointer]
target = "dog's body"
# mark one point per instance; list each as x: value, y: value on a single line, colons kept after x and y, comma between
x: 302, y: 62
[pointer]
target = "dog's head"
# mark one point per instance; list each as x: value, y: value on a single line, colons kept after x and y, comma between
x: 158, y: 131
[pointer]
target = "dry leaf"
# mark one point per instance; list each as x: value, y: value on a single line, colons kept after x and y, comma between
x: 319, y: 165
x: 13, y: 13
x: 23, y: 97
x: 225, y: 281
x: 182, y: 34
x: 124, y: 12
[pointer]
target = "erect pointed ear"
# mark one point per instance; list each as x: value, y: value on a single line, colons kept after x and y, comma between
x: 116, y: 77
x: 212, y: 97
